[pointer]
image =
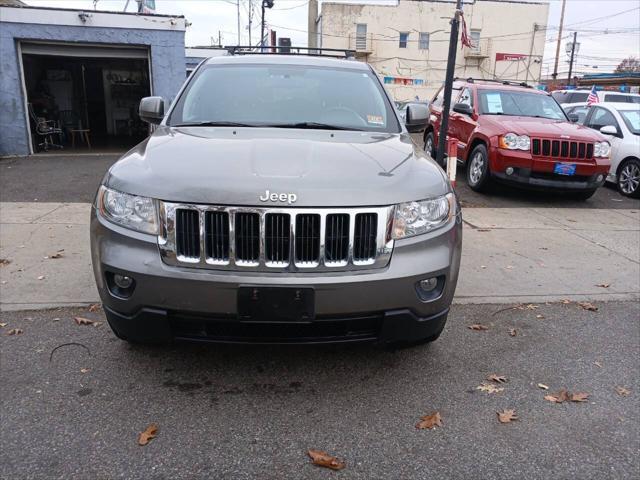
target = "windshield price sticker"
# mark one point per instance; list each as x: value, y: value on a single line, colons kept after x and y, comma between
x: 375, y: 119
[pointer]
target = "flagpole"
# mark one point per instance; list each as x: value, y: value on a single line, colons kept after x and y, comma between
x: 448, y: 84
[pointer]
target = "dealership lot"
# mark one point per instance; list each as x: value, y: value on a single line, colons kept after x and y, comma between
x: 237, y: 411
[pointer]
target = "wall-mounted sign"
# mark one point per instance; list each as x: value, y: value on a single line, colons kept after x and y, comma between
x: 510, y: 57
x: 403, y: 81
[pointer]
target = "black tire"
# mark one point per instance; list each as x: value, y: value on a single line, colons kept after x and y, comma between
x: 584, y: 195
x: 478, y: 172
x: 429, y: 139
x: 628, y: 178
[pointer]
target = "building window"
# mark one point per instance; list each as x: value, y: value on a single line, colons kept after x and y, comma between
x: 404, y: 38
x: 361, y: 36
x: 475, y: 40
x: 424, y: 41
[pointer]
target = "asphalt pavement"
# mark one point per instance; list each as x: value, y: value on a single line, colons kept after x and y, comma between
x: 75, y: 178
x: 253, y: 412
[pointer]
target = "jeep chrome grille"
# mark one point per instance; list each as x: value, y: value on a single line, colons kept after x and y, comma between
x: 561, y: 148
x: 273, y: 239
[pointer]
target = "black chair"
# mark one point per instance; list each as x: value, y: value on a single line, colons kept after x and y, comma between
x: 45, y: 130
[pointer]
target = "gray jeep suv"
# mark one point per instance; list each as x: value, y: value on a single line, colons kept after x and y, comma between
x: 279, y: 200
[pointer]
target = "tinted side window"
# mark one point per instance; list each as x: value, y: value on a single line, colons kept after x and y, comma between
x: 617, y: 97
x: 577, y: 97
x: 600, y: 118
x: 560, y: 96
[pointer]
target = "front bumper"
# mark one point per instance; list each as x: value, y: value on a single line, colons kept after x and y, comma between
x: 537, y: 173
x: 382, y: 305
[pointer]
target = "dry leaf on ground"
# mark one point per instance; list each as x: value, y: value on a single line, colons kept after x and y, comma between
x: 429, y: 421
x: 84, y: 370
x: 94, y: 307
x: 507, y: 416
x: 543, y: 386
x: 566, y: 301
x: 41, y: 277
x: 3, y: 324
x: 539, y: 316
x: 15, y: 331
x: 603, y: 285
x: 86, y: 321
x: 579, y: 397
x: 497, y: 378
x: 4, y: 261
x: 489, y: 388
x: 513, y: 332
x: 323, y: 459
x: 597, y: 364
x: 561, y: 396
x: 588, y: 306
x: 56, y: 255
x: 478, y: 326
x: 146, y: 436
x: 623, y: 392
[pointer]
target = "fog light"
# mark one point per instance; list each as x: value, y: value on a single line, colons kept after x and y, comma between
x: 428, y: 284
x: 509, y: 171
x: 122, y: 281
x: 600, y: 178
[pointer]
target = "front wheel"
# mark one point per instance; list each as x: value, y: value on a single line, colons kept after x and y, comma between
x: 629, y: 178
x: 429, y: 144
x: 478, y: 173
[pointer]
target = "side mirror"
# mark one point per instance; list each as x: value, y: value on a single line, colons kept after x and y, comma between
x: 463, y: 108
x: 573, y: 117
x: 151, y: 109
x: 417, y: 117
x: 609, y: 130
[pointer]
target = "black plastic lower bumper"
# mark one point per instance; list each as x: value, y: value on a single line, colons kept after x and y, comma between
x: 159, y: 326
x: 524, y: 177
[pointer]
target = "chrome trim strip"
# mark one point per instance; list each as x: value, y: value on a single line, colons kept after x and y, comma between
x: 167, y: 239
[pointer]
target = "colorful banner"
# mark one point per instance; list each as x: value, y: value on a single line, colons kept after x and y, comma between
x: 403, y: 81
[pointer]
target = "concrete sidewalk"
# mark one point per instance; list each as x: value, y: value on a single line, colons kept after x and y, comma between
x: 509, y: 255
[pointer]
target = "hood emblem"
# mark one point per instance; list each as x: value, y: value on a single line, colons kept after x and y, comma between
x: 278, y: 197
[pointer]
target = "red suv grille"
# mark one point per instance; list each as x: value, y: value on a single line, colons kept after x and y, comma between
x: 543, y: 147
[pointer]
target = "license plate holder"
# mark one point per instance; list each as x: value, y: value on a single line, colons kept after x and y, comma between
x: 564, y: 168
x: 276, y: 304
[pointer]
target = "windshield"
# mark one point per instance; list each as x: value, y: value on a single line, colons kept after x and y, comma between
x: 631, y: 119
x: 293, y: 96
x: 503, y: 102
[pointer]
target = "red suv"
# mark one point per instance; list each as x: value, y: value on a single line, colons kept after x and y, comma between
x: 512, y: 133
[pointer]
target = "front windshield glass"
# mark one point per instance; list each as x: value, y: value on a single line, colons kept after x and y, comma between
x: 295, y: 96
x: 631, y: 119
x: 525, y: 104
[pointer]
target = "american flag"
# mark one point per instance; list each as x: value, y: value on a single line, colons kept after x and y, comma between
x: 465, y: 40
x: 593, y: 96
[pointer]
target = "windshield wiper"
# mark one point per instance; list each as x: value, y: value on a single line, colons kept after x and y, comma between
x: 214, y: 124
x: 310, y: 125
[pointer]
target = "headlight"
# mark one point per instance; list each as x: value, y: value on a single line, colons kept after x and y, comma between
x: 512, y: 141
x: 130, y: 211
x: 414, y: 218
x: 601, y: 149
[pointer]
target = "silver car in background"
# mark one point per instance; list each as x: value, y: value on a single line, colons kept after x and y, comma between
x: 279, y: 200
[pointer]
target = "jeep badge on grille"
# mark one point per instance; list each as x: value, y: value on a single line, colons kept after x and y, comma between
x: 278, y: 197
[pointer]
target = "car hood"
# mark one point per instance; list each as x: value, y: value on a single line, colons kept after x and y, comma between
x: 236, y: 166
x: 543, y: 127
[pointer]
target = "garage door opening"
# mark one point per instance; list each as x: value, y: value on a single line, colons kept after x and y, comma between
x: 80, y: 103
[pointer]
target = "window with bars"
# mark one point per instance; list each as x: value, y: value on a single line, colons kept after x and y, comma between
x: 424, y: 41
x: 361, y: 36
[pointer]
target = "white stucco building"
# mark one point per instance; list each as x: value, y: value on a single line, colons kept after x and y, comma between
x: 407, y: 42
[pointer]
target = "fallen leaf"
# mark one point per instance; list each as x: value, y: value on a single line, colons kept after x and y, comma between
x: 4, y: 261
x: 84, y: 370
x: 86, y: 321
x: 623, y: 392
x: 15, y: 331
x: 543, y: 386
x: 597, y: 364
x: 588, y: 306
x: 3, y: 324
x: 507, y: 416
x: 509, y: 267
x: 539, y: 317
x: 146, y: 436
x: 489, y: 388
x: 483, y: 266
x: 478, y: 326
x: 497, y: 378
x: 56, y: 255
x: 561, y: 396
x: 579, y: 397
x: 513, y: 332
x: 41, y: 277
x: 429, y: 421
x: 603, y: 285
x: 566, y: 301
x: 94, y: 307
x: 323, y: 459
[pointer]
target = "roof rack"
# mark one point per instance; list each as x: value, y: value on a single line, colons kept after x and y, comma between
x: 288, y: 50
x: 492, y: 80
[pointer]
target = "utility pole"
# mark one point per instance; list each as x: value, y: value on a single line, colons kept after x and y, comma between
x: 533, y: 39
x: 250, y: 14
x: 448, y: 83
x: 573, y: 51
x: 265, y: 4
x: 238, y: 5
x: 219, y: 38
x: 312, y: 39
x: 555, y: 66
